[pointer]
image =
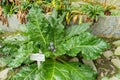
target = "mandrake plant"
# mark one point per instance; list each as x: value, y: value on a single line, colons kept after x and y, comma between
x: 48, y: 34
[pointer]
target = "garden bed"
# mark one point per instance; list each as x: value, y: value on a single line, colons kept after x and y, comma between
x: 66, y: 45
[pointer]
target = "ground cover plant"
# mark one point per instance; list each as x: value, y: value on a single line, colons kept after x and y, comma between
x: 93, y: 11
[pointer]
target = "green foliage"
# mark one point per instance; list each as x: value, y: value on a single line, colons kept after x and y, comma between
x: 3, y: 2
x: 70, y: 41
x: 17, y: 48
x: 92, y: 10
x: 26, y: 73
x: 8, y: 9
x: 22, y: 54
x: 50, y: 29
x: 54, y: 70
x: 25, y: 5
x: 48, y: 34
x: 87, y: 44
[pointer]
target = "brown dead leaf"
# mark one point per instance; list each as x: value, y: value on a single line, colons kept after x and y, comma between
x: 0, y: 10
x: 75, y: 18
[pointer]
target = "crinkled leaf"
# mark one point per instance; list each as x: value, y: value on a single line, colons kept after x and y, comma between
x: 54, y: 70
x: 15, y: 39
x: 66, y: 71
x: 12, y: 43
x: 77, y: 29
x: 23, y: 53
x: 26, y: 73
x: 90, y: 46
x: 81, y: 72
x: 42, y: 30
x: 5, y: 60
x: 36, y: 27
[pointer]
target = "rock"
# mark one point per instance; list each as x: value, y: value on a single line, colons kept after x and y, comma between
x: 114, y: 78
x: 3, y: 74
x: 117, y: 51
x: 104, y: 67
x: 13, y: 24
x: 77, y: 4
x: 107, y: 26
x: 75, y: 59
x: 114, y: 57
x: 90, y: 63
x: 116, y: 62
x: 108, y: 54
x: 110, y: 2
x: 116, y: 43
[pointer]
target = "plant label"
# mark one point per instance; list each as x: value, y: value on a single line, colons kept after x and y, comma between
x: 37, y: 57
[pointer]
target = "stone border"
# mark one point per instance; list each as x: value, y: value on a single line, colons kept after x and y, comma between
x: 13, y: 23
x: 107, y: 26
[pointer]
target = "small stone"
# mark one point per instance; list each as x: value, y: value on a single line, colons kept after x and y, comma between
x: 3, y: 74
x: 114, y: 57
x: 108, y: 54
x: 116, y: 43
x: 75, y: 59
x: 117, y: 51
x: 116, y: 62
x: 90, y: 63
x: 114, y: 78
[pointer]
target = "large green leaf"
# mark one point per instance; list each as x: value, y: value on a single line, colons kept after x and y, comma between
x: 80, y: 72
x: 43, y: 29
x: 23, y: 53
x: 36, y: 27
x: 77, y: 29
x: 90, y: 46
x: 26, y: 73
x: 79, y: 40
x: 54, y: 70
x: 12, y: 43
